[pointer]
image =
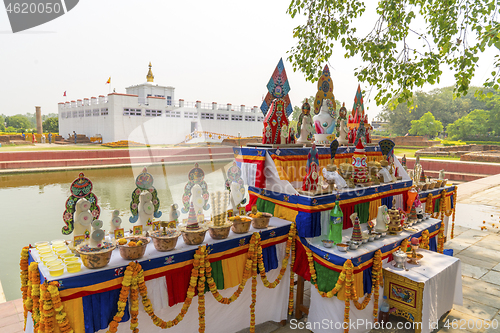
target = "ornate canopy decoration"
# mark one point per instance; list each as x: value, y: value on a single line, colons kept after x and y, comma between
x: 277, y: 87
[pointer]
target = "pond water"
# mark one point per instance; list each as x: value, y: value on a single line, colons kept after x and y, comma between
x: 32, y: 205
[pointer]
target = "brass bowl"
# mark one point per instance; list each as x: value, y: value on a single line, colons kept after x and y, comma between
x: 94, y: 260
x: 133, y: 252
x: 241, y: 226
x: 219, y: 232
x: 425, y: 186
x: 261, y: 222
x: 164, y: 243
x: 438, y: 183
x: 194, y: 237
x: 431, y: 185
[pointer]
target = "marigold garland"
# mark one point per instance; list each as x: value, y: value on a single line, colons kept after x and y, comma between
x: 424, y: 243
x: 429, y: 208
x: 292, y: 274
x: 455, y: 192
x: 45, y: 302
x: 440, y: 245
x: 24, y: 265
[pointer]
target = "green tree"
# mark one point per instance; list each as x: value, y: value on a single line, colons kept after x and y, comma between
x: 18, y: 121
x: 475, y: 123
x: 440, y: 102
x: 410, y: 42
x: 426, y: 125
x: 2, y: 127
x: 51, y: 125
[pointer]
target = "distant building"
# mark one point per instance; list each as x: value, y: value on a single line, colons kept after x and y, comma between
x: 380, y: 125
x: 148, y: 113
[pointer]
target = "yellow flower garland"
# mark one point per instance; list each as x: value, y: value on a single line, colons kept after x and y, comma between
x: 24, y: 265
x: 424, y: 243
x: 46, y: 305
x: 455, y: 192
x: 440, y: 245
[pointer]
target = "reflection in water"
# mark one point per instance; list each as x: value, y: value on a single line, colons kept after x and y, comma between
x: 32, y: 205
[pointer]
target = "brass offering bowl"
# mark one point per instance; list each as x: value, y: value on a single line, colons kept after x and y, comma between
x: 97, y: 259
x: 219, y: 232
x: 165, y: 242
x: 133, y: 252
x: 261, y: 222
x: 241, y: 224
x: 194, y: 236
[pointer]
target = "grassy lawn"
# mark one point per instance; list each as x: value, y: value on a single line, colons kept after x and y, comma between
x: 399, y: 152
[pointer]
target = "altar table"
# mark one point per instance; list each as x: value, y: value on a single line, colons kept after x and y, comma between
x: 331, y: 260
x: 90, y: 296
x: 441, y: 276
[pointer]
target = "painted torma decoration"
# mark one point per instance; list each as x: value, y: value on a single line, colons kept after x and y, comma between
x: 325, y: 91
x: 277, y: 87
x: 80, y: 188
x: 196, y: 177
x: 275, y: 120
x: 144, y: 182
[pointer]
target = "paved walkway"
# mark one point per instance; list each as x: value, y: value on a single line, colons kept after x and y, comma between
x: 479, y: 250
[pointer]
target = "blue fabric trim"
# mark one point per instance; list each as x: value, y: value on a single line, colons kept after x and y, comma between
x: 308, y: 224
x: 387, y: 201
x: 99, y: 310
x: 270, y: 258
x: 367, y: 280
x: 433, y: 244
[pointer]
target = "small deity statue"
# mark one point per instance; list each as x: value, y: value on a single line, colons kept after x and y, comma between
x: 347, y: 171
x: 284, y: 134
x: 342, y: 133
x: 305, y: 124
x: 266, y: 135
x: 441, y: 174
x: 332, y: 178
x: 146, y: 210
x: 312, y: 170
x: 324, y: 123
x: 382, y: 219
x: 173, y: 216
x: 373, y: 169
x: 403, y: 161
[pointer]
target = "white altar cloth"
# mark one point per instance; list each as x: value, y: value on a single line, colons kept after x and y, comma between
x: 441, y: 274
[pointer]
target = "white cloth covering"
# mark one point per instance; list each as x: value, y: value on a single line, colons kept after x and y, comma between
x: 441, y: 274
x: 272, y: 304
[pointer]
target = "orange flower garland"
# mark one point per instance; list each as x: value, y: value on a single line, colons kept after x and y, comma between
x: 34, y: 292
x: 122, y: 301
x: 61, y: 318
x: 404, y: 245
x: 429, y: 208
x: 24, y: 265
x: 292, y: 274
x: 424, y: 243
x: 455, y: 192
x: 134, y: 300
x: 201, y: 287
x: 440, y: 245
x: 312, y: 270
x: 254, y: 284
x: 47, y: 309
x: 348, y: 288
x: 376, y: 272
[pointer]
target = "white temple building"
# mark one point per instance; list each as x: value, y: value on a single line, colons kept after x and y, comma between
x: 148, y: 113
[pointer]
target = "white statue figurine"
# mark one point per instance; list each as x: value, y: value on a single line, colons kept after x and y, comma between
x: 197, y: 199
x: 146, y: 211
x: 343, y: 133
x: 324, y: 124
x: 115, y: 223
x: 382, y: 219
x: 384, y: 172
x: 237, y: 196
x: 332, y: 176
x: 97, y: 235
x: 173, y: 217
x: 306, y: 129
x: 83, y: 218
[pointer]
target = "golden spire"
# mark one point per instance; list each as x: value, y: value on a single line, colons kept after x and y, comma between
x: 150, y: 76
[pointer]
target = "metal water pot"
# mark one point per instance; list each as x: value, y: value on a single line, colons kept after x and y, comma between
x: 400, y: 258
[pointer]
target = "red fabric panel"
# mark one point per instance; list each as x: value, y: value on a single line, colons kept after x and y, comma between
x: 177, y: 284
x: 301, y: 266
x: 406, y: 207
x: 252, y: 200
x: 347, y: 210
x: 260, y: 177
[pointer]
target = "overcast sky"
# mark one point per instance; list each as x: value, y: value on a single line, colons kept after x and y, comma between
x: 212, y: 51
